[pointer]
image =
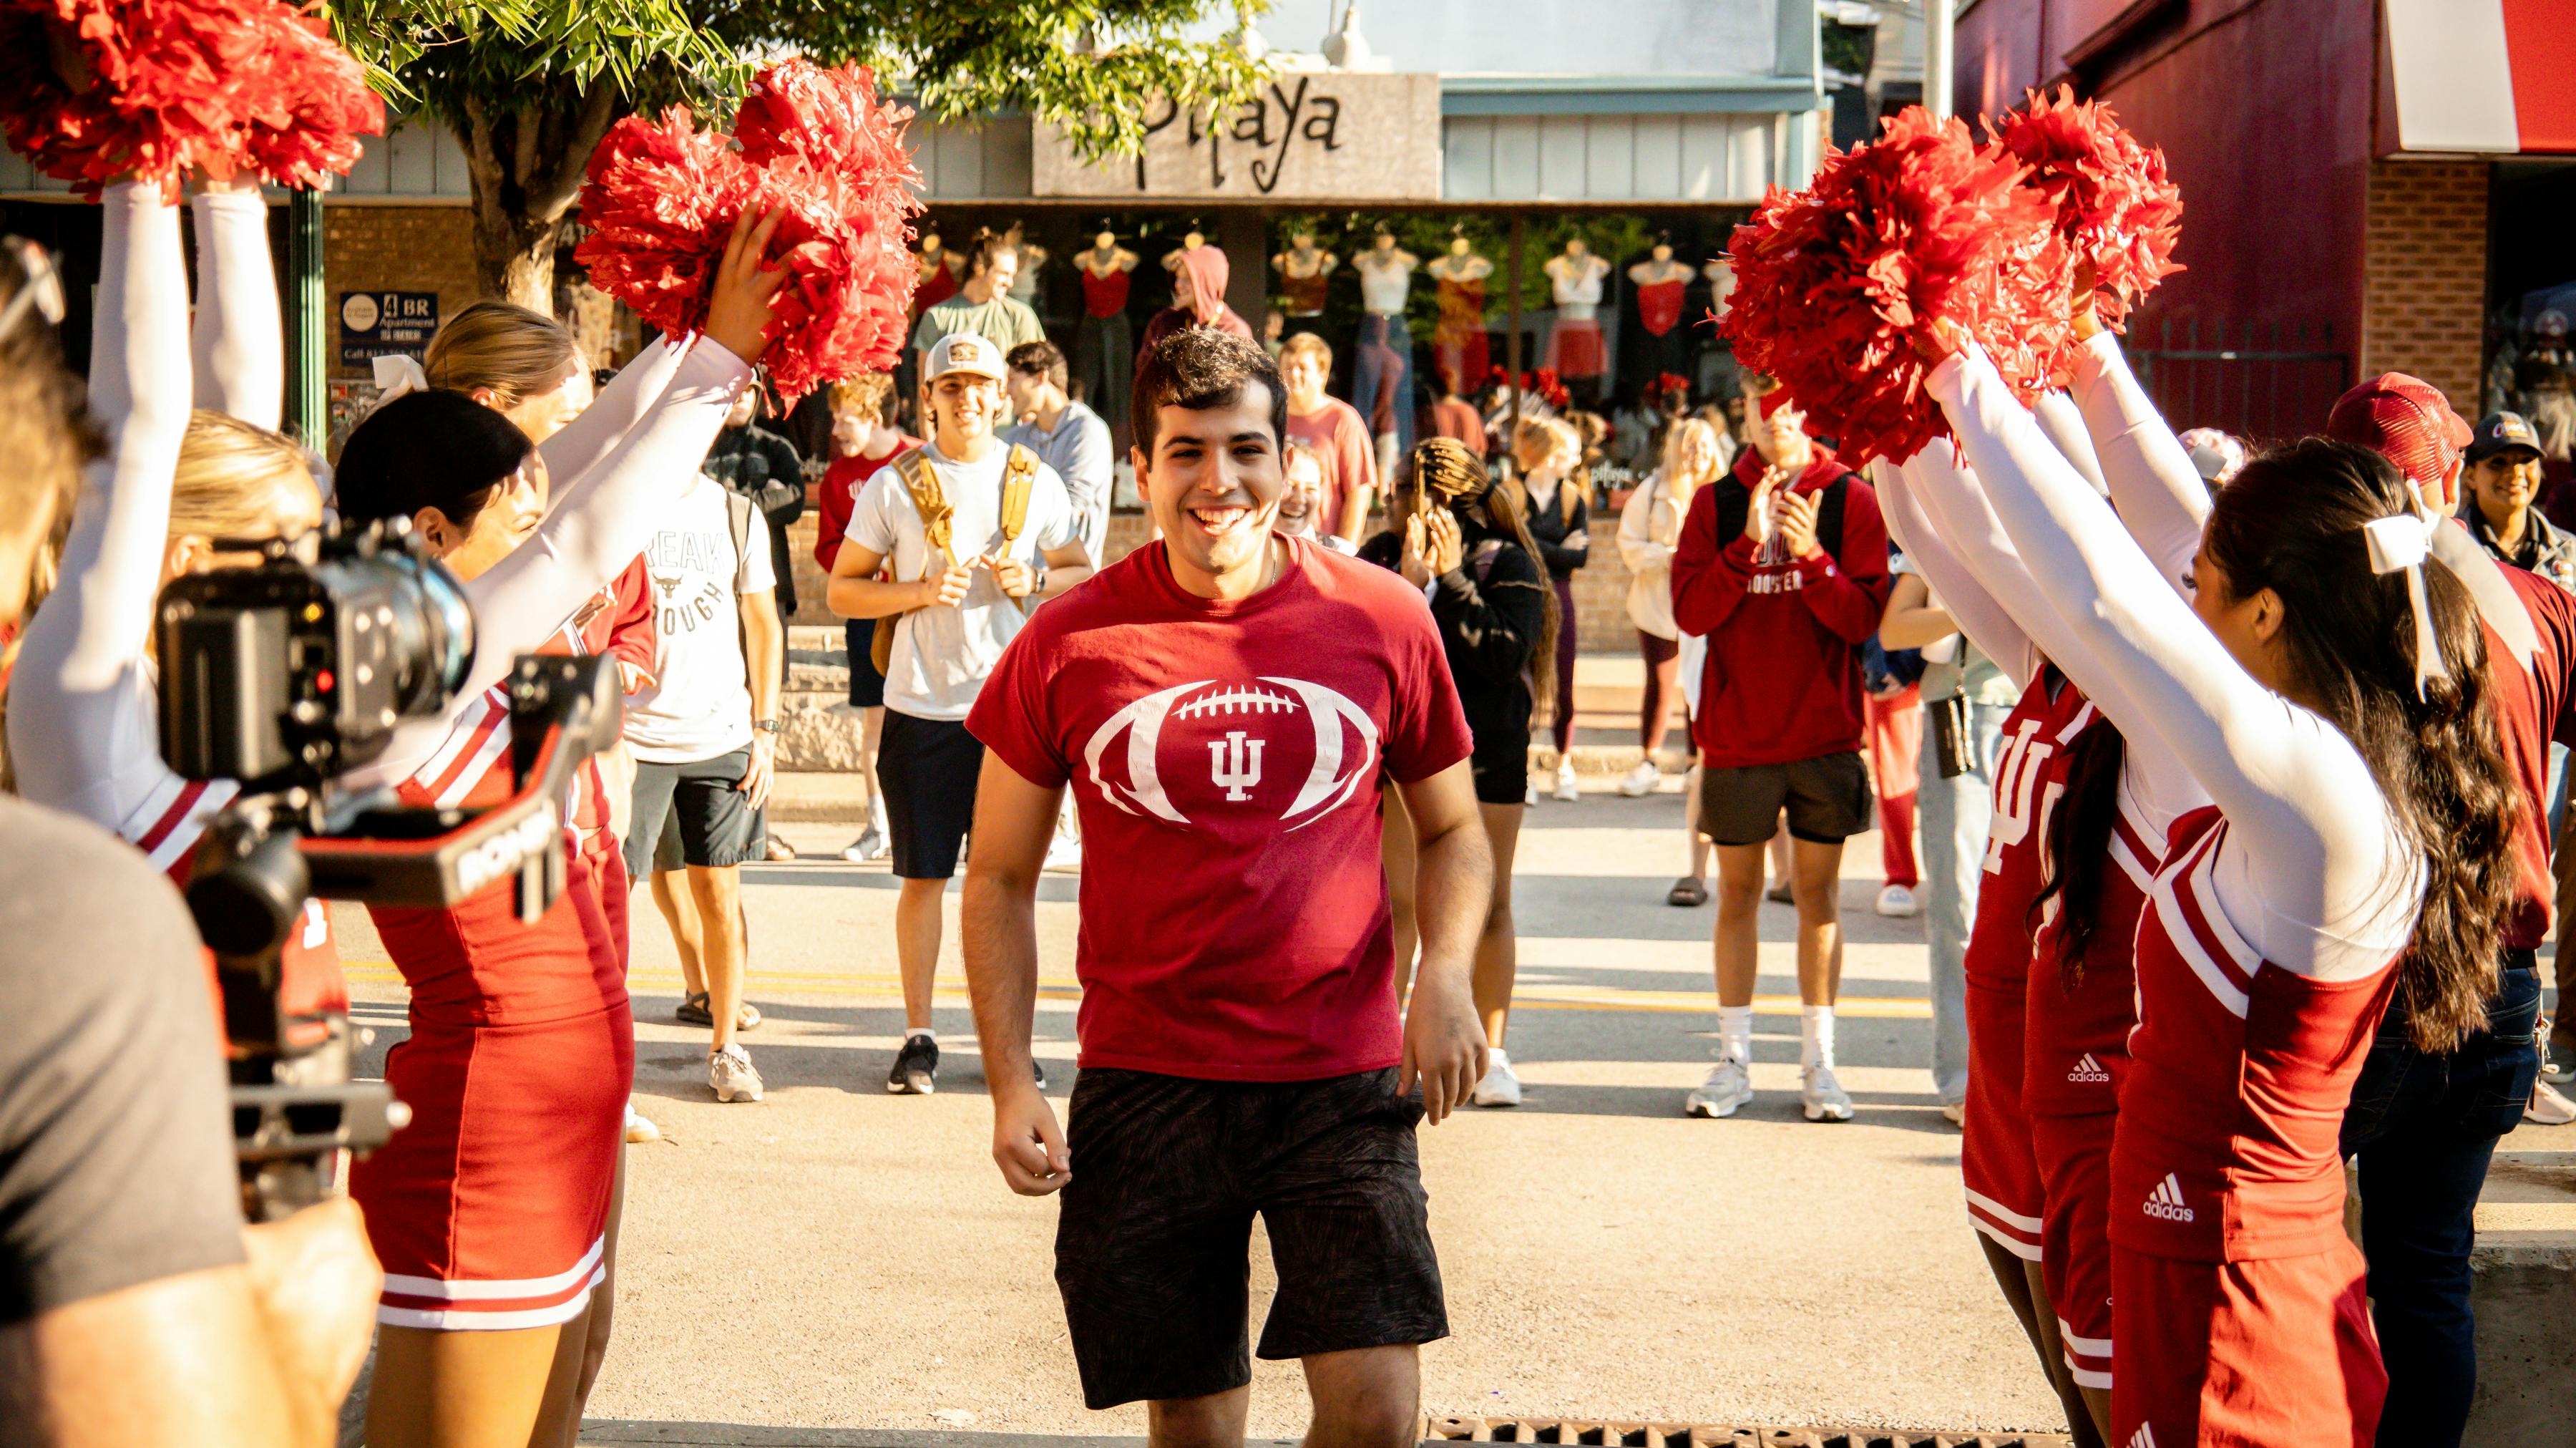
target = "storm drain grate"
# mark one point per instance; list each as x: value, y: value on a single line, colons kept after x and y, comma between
x: 1702, y: 1435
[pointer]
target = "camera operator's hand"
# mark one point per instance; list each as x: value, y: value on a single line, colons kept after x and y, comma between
x: 738, y: 317
x: 316, y: 1282
x: 764, y: 763
x: 946, y: 588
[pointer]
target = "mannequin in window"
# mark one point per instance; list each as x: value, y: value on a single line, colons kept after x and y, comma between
x: 1190, y: 242
x: 1721, y: 283
x: 1033, y: 259
x: 940, y: 270
x: 1458, y: 344
x: 1382, y: 381
x: 1574, y: 346
x: 1302, y: 269
x: 1104, y: 342
x: 1657, y: 284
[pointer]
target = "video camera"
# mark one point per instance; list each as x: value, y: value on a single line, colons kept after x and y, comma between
x: 283, y: 677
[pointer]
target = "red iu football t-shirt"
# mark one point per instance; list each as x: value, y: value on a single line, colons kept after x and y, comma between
x: 1226, y: 760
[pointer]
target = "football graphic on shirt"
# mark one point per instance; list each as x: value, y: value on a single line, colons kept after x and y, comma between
x: 1284, y: 747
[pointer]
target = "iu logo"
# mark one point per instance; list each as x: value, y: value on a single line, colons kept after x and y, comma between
x: 1234, y: 765
x: 2017, y: 775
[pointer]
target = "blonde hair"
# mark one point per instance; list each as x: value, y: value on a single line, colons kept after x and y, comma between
x: 1544, y: 440
x: 229, y: 477
x: 1303, y: 343
x: 1677, y: 487
x: 513, y: 350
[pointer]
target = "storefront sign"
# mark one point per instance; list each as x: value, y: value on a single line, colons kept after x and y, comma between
x: 373, y: 324
x: 1309, y: 136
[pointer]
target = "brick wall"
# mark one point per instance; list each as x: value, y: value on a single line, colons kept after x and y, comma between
x: 2424, y: 274
x: 398, y: 248
x: 1600, y: 587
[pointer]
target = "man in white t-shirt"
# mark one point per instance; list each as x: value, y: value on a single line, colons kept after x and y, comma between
x: 704, y: 734
x: 956, y: 607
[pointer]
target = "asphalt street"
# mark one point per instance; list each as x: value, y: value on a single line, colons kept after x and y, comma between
x: 839, y: 1258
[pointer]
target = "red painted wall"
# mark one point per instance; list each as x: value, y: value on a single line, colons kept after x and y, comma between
x: 2263, y: 108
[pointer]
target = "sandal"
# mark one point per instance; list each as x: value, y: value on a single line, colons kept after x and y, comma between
x: 693, y: 1012
x: 1690, y: 892
x: 1779, y: 894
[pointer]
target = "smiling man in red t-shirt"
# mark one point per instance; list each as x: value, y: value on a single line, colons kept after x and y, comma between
x: 1223, y: 704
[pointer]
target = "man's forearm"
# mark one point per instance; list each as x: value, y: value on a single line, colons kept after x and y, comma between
x: 1453, y: 887
x: 768, y: 649
x: 869, y: 597
x: 999, y: 924
x: 1060, y: 579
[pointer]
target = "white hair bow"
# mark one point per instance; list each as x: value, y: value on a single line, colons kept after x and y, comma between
x: 2402, y: 541
x: 396, y: 374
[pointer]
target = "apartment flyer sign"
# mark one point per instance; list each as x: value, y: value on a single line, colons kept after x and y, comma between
x: 1307, y: 136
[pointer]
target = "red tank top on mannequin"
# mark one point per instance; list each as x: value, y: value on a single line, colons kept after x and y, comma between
x: 1104, y: 295
x: 935, y: 288
x: 1304, y: 295
x: 1659, y: 305
x: 2238, y: 1078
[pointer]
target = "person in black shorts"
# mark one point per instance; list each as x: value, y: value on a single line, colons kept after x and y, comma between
x: 1462, y: 539
x: 1222, y: 703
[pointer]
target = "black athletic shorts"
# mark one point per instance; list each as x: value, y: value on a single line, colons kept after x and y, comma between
x: 867, y: 686
x: 714, y: 822
x: 1151, y: 1245
x: 1828, y: 801
x: 1499, y: 767
x: 927, y: 769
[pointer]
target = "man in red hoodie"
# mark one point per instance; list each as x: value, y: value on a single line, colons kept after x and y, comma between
x: 1783, y: 565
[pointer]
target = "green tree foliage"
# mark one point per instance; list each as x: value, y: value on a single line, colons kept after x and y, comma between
x: 530, y: 86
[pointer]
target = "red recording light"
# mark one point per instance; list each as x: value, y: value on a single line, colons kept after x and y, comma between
x: 322, y: 681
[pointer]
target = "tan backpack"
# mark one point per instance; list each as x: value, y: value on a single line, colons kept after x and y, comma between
x: 930, y: 500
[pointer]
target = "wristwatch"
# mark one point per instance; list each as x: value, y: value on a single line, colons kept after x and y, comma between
x: 771, y: 725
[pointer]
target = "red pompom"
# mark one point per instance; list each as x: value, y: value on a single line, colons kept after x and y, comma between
x: 1836, y: 284
x: 94, y: 91
x: 816, y: 145
x: 2114, y: 205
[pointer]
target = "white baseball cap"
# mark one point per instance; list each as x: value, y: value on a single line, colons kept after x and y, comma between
x: 970, y: 352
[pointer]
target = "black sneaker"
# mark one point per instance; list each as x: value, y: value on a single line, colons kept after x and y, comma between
x: 916, y: 1068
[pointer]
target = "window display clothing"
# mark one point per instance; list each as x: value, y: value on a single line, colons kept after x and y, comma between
x: 1662, y: 341
x: 1574, y: 347
x: 1303, y: 285
x: 938, y: 279
x: 1459, y: 346
x: 1104, y: 341
x: 1382, y: 377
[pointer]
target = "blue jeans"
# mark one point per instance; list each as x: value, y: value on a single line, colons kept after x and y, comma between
x: 2425, y: 1128
x: 1382, y: 379
x: 1954, y: 815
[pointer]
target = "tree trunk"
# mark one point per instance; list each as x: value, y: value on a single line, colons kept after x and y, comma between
x: 526, y: 165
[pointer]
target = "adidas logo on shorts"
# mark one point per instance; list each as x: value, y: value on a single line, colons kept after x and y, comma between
x: 2088, y: 1072
x: 2145, y: 1437
x: 2166, y: 1202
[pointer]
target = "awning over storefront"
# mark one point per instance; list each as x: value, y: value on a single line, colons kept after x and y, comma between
x: 2494, y: 77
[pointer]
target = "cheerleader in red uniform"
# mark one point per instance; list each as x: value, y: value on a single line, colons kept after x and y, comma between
x: 491, y: 1212
x: 83, y: 719
x: 2331, y: 696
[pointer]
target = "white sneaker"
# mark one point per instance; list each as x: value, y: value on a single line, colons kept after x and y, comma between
x: 1565, y: 789
x: 1727, y: 1088
x: 1898, y: 902
x: 2548, y: 1107
x: 638, y: 1129
x: 1500, y: 1087
x: 1821, y: 1096
x: 1529, y: 796
x: 732, y: 1075
x: 1641, y: 781
x: 1064, y: 852
x: 870, y: 845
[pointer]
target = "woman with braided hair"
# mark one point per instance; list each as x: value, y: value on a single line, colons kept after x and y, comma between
x: 1464, y: 540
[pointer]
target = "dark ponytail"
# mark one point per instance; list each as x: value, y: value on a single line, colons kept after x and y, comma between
x: 2292, y: 522
x: 2079, y: 844
x: 434, y: 449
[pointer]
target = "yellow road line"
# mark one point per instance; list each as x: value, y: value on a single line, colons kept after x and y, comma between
x: 853, y: 986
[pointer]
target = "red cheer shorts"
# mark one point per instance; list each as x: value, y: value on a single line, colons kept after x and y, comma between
x: 2276, y: 1352
x: 2074, y: 1155
x: 2005, y: 1199
x: 1574, y: 349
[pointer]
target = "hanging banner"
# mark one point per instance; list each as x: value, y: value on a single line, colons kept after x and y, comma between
x: 1308, y: 136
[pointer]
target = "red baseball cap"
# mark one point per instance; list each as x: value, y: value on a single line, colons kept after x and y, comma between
x: 2404, y: 419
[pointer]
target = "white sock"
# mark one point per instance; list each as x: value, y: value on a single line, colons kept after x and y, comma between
x: 1498, y: 1059
x: 876, y: 813
x: 1815, y: 1035
x: 1735, y: 1033
x: 924, y: 1032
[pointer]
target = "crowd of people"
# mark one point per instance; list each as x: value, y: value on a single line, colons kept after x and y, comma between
x: 2235, y: 840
